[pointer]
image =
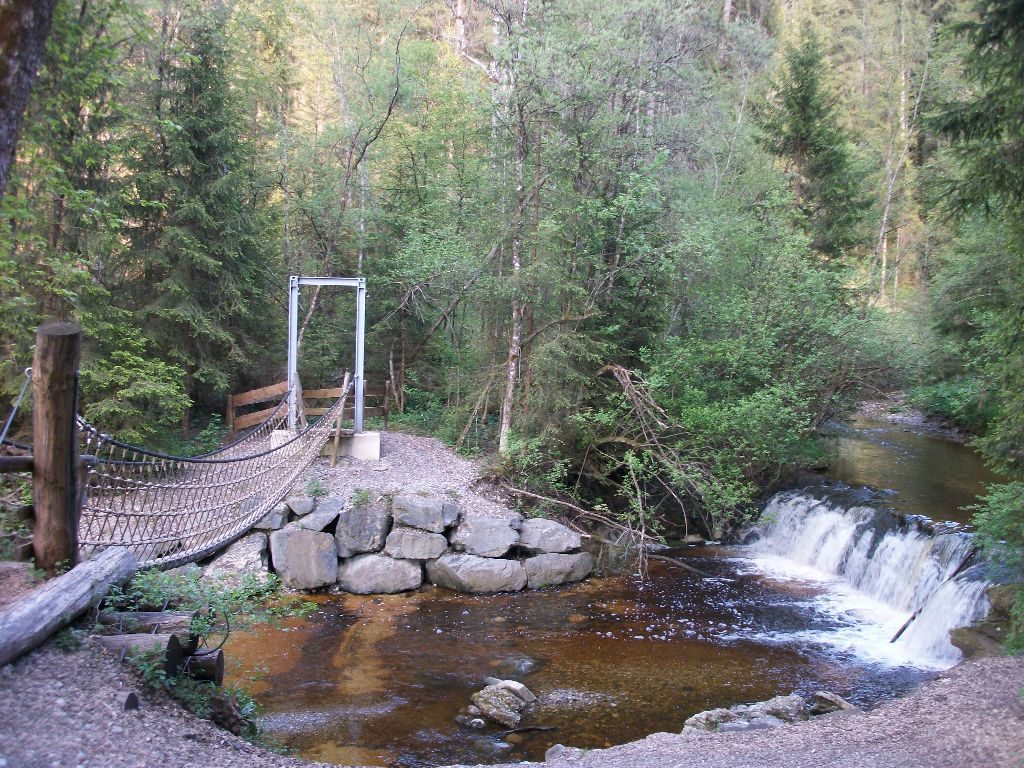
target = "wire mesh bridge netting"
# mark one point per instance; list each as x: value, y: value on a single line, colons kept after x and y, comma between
x: 173, y: 510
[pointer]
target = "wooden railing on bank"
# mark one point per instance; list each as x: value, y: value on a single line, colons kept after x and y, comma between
x: 376, y: 402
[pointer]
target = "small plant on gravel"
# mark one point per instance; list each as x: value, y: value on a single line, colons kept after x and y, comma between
x: 316, y: 488
x: 361, y: 497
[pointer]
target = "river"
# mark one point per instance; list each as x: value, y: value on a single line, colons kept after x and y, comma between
x: 379, y: 680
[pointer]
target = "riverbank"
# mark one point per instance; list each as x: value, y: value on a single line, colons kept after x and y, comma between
x: 66, y: 709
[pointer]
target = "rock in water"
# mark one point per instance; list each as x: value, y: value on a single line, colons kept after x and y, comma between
x: 304, y: 559
x: 539, y: 535
x: 246, y: 556
x: 500, y: 705
x: 379, y: 574
x: 549, y: 570
x: 414, y: 544
x: 419, y: 512
x: 362, y: 529
x: 469, y: 573
x: 824, y: 703
x: 709, y: 720
x: 487, y: 536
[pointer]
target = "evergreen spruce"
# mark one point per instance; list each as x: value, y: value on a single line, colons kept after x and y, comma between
x: 801, y: 125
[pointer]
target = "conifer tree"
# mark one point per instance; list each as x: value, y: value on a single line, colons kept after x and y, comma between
x: 206, y: 262
x: 801, y: 124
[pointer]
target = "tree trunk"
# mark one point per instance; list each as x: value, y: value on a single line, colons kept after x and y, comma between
x: 135, y: 646
x: 33, y: 618
x: 176, y: 622
x: 24, y: 26
x: 207, y: 666
x: 55, y: 452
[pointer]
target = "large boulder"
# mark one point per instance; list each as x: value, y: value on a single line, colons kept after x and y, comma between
x: 419, y: 512
x: 450, y: 513
x: 549, y: 570
x: 301, y: 505
x: 274, y: 519
x: 304, y: 559
x: 362, y: 529
x: 469, y: 573
x: 323, y: 517
x: 246, y: 556
x: 487, y: 536
x: 539, y: 535
x: 500, y: 705
x: 414, y: 544
x: 378, y: 574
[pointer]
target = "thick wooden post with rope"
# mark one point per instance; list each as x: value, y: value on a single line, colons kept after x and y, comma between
x: 55, y: 444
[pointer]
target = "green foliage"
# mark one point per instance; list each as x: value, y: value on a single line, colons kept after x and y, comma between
x: 987, y: 135
x: 802, y: 124
x: 316, y: 488
x: 962, y: 401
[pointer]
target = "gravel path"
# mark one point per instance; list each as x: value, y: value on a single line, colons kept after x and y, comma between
x: 408, y: 464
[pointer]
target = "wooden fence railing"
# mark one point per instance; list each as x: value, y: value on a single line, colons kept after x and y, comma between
x: 376, y: 402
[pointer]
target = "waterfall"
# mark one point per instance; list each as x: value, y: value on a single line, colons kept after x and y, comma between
x: 904, y: 563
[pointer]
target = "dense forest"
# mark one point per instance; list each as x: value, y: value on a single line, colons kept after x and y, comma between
x: 639, y: 250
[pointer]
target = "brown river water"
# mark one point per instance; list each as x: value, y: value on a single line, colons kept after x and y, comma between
x: 379, y: 680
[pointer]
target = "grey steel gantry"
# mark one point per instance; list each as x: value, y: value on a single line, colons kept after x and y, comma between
x: 359, y: 283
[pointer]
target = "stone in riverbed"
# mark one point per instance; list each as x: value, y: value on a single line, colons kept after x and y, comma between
x: 246, y: 556
x: 500, y: 705
x: 362, y: 529
x: 539, y: 535
x: 824, y: 703
x: 379, y: 574
x: 304, y: 559
x: 552, y: 569
x: 487, y: 536
x: 414, y: 544
x: 419, y: 512
x: 469, y: 573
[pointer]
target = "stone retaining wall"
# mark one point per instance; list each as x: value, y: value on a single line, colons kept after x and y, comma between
x: 376, y: 547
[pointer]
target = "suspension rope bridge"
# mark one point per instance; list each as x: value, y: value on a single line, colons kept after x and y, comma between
x: 172, y: 510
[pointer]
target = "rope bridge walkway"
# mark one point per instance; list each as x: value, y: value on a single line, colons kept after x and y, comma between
x: 173, y: 510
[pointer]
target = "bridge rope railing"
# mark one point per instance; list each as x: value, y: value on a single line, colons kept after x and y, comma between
x: 172, y: 510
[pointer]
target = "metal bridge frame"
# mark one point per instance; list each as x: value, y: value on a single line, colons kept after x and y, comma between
x: 359, y: 283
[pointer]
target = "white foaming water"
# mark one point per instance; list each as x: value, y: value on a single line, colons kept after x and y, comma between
x: 874, y: 573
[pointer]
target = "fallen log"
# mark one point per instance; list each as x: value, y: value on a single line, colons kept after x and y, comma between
x: 176, y: 622
x: 166, y: 647
x: 208, y: 665
x: 28, y: 621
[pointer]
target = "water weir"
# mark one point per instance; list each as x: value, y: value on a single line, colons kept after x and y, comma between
x: 910, y: 566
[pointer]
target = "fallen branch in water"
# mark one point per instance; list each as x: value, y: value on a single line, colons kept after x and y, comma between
x: 528, y: 728
x: 597, y: 517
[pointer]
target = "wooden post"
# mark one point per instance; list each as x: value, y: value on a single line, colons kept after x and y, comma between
x: 55, y: 444
x: 231, y: 414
